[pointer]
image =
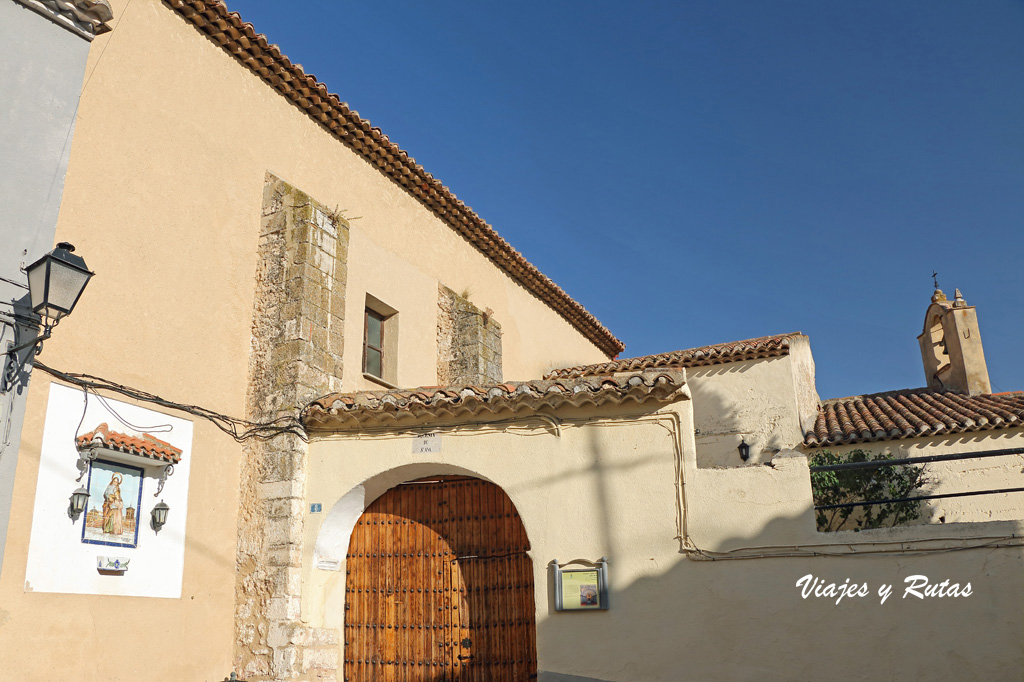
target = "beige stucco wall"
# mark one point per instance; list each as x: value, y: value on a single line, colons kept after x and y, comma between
x: 163, y: 198
x: 679, y: 614
x: 175, y: 140
x: 768, y: 403
x: 606, y: 488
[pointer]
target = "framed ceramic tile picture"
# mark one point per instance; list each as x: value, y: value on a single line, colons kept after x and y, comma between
x: 115, y: 494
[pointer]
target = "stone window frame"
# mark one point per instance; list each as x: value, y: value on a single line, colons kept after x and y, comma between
x: 389, y: 341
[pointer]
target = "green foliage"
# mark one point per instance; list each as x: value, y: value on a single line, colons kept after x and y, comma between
x: 860, y: 485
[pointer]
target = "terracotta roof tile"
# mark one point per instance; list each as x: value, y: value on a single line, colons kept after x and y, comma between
x: 87, y: 18
x: 750, y: 349
x: 252, y: 49
x: 911, y: 413
x: 146, y: 446
x: 340, y: 411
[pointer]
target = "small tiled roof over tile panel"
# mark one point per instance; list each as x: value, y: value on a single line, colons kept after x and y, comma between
x: 146, y: 446
x: 717, y: 354
x: 341, y: 411
x: 265, y: 59
x: 912, y: 413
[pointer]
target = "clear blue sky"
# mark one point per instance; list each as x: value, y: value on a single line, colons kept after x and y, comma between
x: 699, y: 172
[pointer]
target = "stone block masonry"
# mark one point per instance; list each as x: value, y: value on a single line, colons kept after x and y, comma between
x: 468, y: 342
x: 296, y: 356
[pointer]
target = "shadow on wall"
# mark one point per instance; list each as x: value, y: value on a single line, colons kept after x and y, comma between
x: 746, y: 620
x: 596, y: 479
x: 959, y: 476
x: 731, y: 405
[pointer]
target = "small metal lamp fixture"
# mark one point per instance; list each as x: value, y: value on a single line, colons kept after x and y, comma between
x: 55, y: 283
x: 744, y: 449
x: 159, y: 516
x: 78, y: 500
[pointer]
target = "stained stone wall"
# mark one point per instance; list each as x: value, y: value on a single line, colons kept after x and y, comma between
x: 297, y: 346
x: 468, y: 342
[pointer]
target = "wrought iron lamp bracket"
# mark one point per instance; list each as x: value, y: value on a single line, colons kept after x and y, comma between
x: 85, y: 458
x: 162, y: 478
x: 13, y: 365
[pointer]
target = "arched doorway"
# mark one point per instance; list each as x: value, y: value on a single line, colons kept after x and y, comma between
x: 439, y: 587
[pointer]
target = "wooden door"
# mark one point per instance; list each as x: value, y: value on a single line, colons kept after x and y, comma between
x: 439, y: 587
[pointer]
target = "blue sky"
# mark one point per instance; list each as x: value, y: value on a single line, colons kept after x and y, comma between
x: 700, y: 172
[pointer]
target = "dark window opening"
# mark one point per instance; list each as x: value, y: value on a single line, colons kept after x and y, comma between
x: 373, y: 344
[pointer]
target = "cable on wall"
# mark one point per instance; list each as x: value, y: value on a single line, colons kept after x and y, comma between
x: 239, y: 429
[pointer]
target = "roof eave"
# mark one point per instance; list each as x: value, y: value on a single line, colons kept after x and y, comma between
x: 421, y: 407
x: 254, y: 51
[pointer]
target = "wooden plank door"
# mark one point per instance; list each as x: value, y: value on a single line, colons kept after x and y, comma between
x: 440, y: 587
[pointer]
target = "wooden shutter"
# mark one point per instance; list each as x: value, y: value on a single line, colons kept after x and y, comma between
x: 439, y: 587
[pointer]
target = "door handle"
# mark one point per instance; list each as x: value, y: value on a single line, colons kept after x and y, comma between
x: 464, y: 658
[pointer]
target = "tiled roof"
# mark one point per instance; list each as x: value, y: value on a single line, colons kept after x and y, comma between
x: 264, y: 59
x: 87, y: 18
x: 147, y: 446
x: 391, y: 408
x: 763, y: 347
x: 912, y: 413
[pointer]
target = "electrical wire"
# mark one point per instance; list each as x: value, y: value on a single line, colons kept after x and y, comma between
x: 85, y: 408
x: 239, y: 429
x: 22, y: 285
x: 158, y: 428
x: 1003, y: 542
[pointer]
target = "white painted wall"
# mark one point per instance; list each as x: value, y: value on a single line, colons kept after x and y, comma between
x: 58, y: 560
x: 614, y: 487
x: 768, y: 403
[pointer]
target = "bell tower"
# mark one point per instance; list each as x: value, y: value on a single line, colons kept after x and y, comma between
x: 951, y: 346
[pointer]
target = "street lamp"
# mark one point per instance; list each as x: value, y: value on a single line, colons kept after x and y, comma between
x: 55, y: 283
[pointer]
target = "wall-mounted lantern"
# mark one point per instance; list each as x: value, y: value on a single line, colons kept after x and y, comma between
x: 159, y: 516
x: 55, y: 283
x: 77, y: 503
x: 744, y: 449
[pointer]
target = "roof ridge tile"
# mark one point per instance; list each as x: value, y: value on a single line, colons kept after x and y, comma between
x: 342, y: 411
x: 715, y: 354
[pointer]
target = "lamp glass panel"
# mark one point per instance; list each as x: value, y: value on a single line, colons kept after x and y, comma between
x: 37, y: 284
x: 66, y: 285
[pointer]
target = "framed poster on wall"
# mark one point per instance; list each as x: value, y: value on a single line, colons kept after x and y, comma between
x: 581, y: 585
